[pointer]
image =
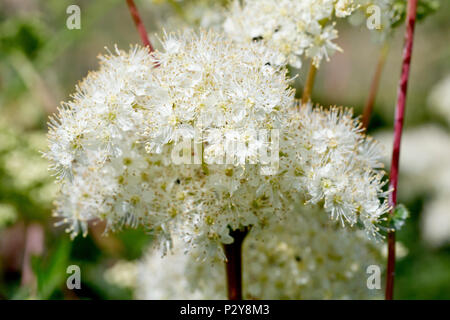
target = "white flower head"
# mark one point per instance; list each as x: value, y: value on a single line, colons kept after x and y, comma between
x: 295, y: 29
x: 103, y: 170
x: 211, y: 87
x: 331, y: 162
x: 111, y: 145
x: 304, y: 256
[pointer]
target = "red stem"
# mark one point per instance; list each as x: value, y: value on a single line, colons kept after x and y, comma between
x: 398, y: 127
x: 139, y: 25
x: 233, y: 253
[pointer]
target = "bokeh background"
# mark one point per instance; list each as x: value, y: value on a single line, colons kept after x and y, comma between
x: 41, y: 60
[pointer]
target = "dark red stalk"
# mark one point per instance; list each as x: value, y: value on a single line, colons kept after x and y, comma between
x: 139, y: 25
x: 233, y: 253
x: 398, y: 127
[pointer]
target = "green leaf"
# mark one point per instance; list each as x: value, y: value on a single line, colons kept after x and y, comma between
x: 399, y: 216
x: 51, y: 270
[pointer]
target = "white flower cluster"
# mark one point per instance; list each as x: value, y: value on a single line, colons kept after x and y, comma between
x: 105, y: 173
x: 180, y: 14
x: 331, y: 161
x: 292, y: 28
x: 205, y: 83
x: 377, y: 15
x: 303, y: 257
x: 215, y: 87
x: 112, y: 146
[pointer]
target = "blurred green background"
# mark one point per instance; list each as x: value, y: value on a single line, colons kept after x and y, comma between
x: 41, y: 60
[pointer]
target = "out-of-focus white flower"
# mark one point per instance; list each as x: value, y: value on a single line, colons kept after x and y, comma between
x: 439, y: 99
x: 436, y: 220
x: 304, y: 256
x: 293, y: 28
x: 377, y: 15
x: 8, y: 214
x: 169, y: 277
x: 122, y: 274
x: 400, y: 250
x: 182, y: 14
x: 424, y: 159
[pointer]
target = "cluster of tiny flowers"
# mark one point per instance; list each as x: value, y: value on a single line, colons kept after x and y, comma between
x: 112, y: 146
x: 324, y: 158
x: 208, y: 88
x: 103, y: 170
x: 377, y: 15
x: 330, y: 161
x: 305, y: 256
x: 212, y: 91
x: 177, y: 15
x: 294, y: 28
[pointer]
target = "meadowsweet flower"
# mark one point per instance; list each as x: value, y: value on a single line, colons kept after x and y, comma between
x: 329, y: 160
x: 296, y: 29
x: 424, y: 163
x: 439, y: 99
x: 103, y: 170
x: 379, y: 16
x: 435, y: 221
x: 8, y: 215
x: 122, y: 274
x: 215, y: 87
x: 181, y: 14
x: 111, y: 145
x: 424, y: 160
x: 305, y: 256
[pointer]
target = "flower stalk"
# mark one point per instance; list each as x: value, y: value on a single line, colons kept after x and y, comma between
x: 398, y: 127
x: 139, y: 25
x: 233, y: 253
x: 309, y: 83
x: 368, y: 108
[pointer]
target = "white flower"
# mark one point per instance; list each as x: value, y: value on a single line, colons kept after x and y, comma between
x: 330, y: 160
x: 210, y: 86
x: 122, y: 274
x: 112, y: 147
x: 104, y: 172
x: 293, y: 28
x: 439, y: 99
x: 203, y: 84
x: 436, y: 221
x: 377, y: 15
x: 424, y: 170
x: 304, y: 256
x: 424, y: 159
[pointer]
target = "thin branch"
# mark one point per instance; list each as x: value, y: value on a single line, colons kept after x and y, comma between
x: 233, y: 253
x: 368, y: 109
x: 398, y: 127
x: 139, y: 25
x: 309, y: 83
